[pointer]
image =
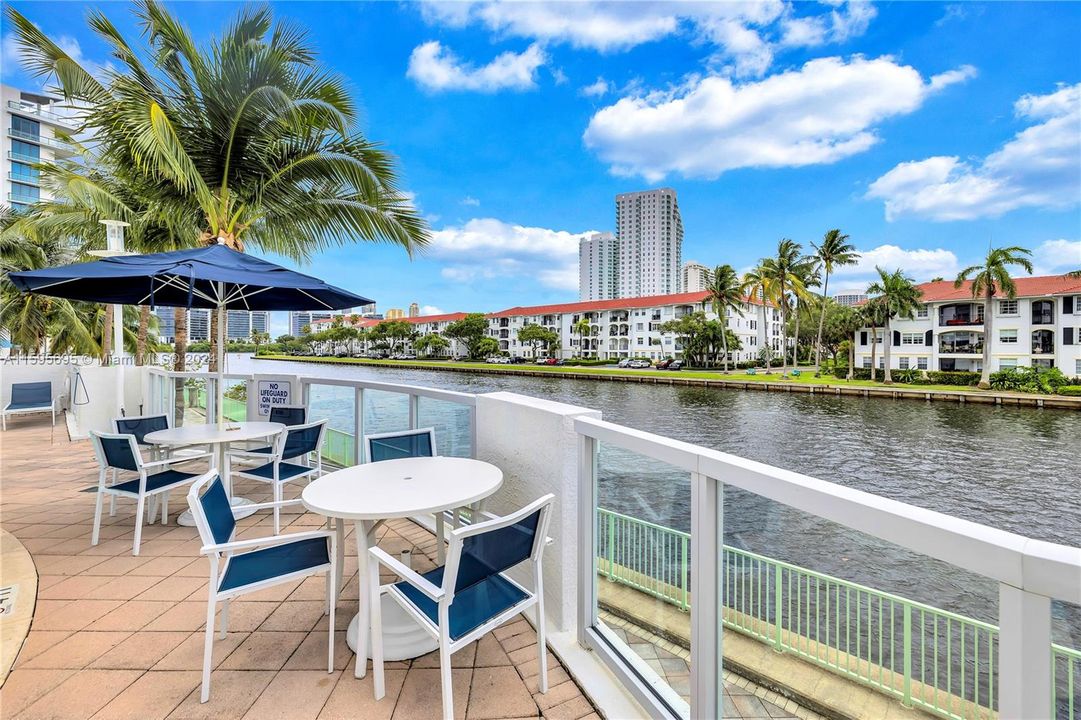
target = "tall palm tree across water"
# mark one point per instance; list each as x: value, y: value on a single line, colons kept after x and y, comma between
x: 786, y: 273
x: 724, y: 294
x: 834, y: 251
x: 758, y: 285
x: 898, y: 297
x: 248, y: 141
x: 992, y: 277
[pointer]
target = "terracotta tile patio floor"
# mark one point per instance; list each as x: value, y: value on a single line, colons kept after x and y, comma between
x: 117, y: 636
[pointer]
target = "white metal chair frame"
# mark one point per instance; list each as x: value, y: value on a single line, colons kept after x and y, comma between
x: 246, y: 454
x: 276, y: 458
x: 143, y: 494
x: 157, y: 452
x: 440, y: 519
x: 49, y: 408
x: 444, y: 597
x: 221, y: 554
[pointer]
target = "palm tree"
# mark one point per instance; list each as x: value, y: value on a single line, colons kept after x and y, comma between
x: 874, y: 316
x: 834, y: 251
x: 758, y: 286
x: 808, y: 273
x: 582, y: 327
x: 987, y: 279
x: 724, y: 294
x: 250, y: 133
x: 786, y: 271
x: 898, y: 297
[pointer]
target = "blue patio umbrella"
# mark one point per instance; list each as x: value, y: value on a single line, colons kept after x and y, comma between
x: 214, y: 277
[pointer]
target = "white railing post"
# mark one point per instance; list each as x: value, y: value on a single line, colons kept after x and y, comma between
x: 358, y: 426
x: 414, y: 411
x: 706, y: 554
x: 587, y: 535
x: 1024, y: 649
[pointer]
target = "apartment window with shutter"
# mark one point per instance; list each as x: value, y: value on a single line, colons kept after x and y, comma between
x: 912, y: 338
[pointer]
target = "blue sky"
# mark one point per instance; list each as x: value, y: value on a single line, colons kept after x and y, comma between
x: 924, y: 130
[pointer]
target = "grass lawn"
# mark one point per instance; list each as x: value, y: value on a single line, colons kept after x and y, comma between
x: 805, y: 377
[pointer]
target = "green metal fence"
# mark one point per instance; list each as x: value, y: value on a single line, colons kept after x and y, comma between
x: 339, y: 447
x: 927, y: 657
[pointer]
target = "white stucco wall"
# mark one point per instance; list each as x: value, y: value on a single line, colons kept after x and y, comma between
x: 534, y: 442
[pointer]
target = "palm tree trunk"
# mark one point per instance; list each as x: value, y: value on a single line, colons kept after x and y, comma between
x: 874, y: 344
x: 765, y: 329
x: 144, y: 330
x: 107, y: 337
x: 887, y: 341
x: 180, y: 357
x: 985, y: 373
x: 724, y: 344
x: 795, y: 345
x: 821, y: 323
x: 784, y: 332
x: 851, y: 360
x: 213, y: 364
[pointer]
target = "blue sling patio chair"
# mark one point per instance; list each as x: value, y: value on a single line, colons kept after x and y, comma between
x: 238, y: 567
x: 471, y: 595
x: 32, y: 397
x: 298, y: 443
x: 140, y: 426
x: 288, y: 415
x: 408, y: 444
x: 120, y: 452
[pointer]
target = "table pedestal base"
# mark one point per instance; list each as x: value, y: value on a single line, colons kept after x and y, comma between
x: 186, y: 519
x: 403, y: 639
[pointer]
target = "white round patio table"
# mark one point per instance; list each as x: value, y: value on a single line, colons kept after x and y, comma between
x: 371, y: 493
x: 219, y: 436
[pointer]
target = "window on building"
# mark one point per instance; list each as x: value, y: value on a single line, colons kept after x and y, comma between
x: 921, y: 363
x: 29, y: 151
x: 1077, y: 367
x: 1007, y: 307
x: 22, y: 171
x: 922, y: 312
x: 1006, y: 363
x: 1007, y: 336
x: 912, y: 338
x: 902, y: 363
x: 867, y: 363
x: 25, y: 126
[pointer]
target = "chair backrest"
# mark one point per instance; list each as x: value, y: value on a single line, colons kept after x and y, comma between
x: 300, y: 440
x: 480, y: 551
x: 401, y: 444
x: 141, y: 425
x: 289, y: 414
x: 36, y: 393
x: 116, y: 450
x: 211, y: 510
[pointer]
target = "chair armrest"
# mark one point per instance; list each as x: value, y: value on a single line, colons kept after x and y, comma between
x: 492, y: 516
x: 268, y: 540
x: 267, y: 505
x: 408, y: 574
x: 176, y: 460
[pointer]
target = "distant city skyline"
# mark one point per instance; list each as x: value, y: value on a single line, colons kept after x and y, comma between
x: 923, y: 130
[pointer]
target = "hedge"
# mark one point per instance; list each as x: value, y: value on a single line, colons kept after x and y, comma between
x: 1071, y: 390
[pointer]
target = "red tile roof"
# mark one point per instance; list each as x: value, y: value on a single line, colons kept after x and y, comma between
x: 688, y: 298
x: 372, y: 322
x: 1039, y: 286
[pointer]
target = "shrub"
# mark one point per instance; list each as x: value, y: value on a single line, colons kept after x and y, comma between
x: 953, y: 377
x: 588, y: 362
x: 1029, y: 379
x: 1071, y: 390
x: 907, y: 376
x: 744, y: 364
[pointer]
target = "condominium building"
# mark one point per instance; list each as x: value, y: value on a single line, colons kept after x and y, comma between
x: 850, y: 299
x: 239, y: 324
x: 32, y: 122
x: 631, y: 327
x: 395, y: 314
x: 650, y: 233
x: 414, y: 310
x: 598, y: 267
x: 298, y: 319
x: 1041, y: 327
x: 696, y: 276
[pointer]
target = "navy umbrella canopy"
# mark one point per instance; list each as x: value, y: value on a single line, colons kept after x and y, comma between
x: 213, y: 277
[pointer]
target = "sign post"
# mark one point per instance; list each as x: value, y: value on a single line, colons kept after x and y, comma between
x: 272, y: 391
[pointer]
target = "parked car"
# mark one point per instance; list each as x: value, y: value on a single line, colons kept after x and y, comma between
x: 498, y: 360
x: 664, y: 363
x: 640, y: 364
x: 675, y: 365
x: 625, y: 362
x: 516, y: 360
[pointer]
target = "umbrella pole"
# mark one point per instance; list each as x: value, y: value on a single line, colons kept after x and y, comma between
x: 118, y: 355
x: 220, y: 409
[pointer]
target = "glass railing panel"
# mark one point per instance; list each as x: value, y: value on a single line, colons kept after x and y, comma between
x: 453, y: 428
x: 236, y: 400
x: 643, y: 565
x: 385, y: 411
x: 190, y: 402
x: 337, y: 404
x: 1066, y: 660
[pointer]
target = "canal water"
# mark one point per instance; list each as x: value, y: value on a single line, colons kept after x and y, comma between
x: 1017, y: 469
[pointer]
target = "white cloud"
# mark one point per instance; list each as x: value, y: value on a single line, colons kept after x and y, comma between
x: 1056, y: 256
x: 432, y: 310
x: 819, y: 113
x: 437, y: 68
x: 596, y: 89
x: 490, y: 249
x: 1038, y: 168
x: 470, y: 200
x: 12, y: 54
x: 741, y: 34
x: 919, y: 264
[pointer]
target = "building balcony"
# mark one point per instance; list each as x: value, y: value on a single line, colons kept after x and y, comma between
x: 21, y: 199
x: 37, y: 112
x: 628, y: 588
x: 24, y: 179
x: 54, y: 143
